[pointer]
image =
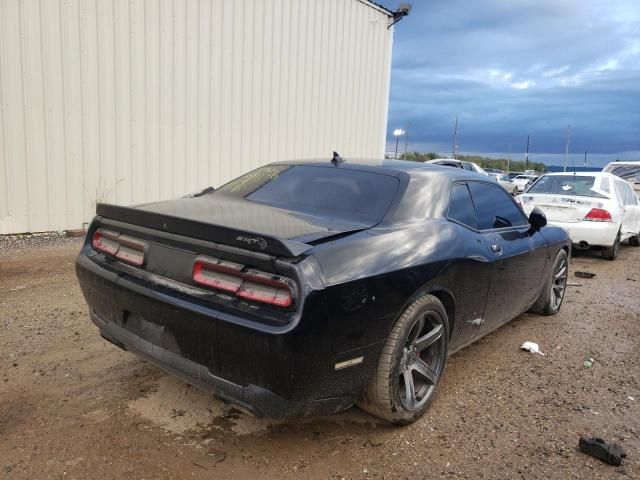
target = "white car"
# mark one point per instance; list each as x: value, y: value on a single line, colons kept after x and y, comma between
x: 629, y: 171
x: 505, y: 182
x: 521, y: 181
x: 596, y: 209
x: 450, y: 162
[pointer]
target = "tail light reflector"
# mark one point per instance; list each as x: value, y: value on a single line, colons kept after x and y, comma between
x: 125, y: 248
x: 250, y: 285
x: 598, y: 215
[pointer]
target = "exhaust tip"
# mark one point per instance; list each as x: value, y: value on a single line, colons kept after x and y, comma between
x: 583, y: 245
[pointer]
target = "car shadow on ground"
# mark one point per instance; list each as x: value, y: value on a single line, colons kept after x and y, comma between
x: 183, y: 409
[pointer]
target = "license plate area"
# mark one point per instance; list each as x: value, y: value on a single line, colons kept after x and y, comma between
x: 155, y: 333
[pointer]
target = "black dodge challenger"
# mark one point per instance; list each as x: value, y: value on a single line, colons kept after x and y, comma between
x: 307, y: 287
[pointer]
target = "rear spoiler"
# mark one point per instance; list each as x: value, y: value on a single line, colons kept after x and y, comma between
x: 204, y: 231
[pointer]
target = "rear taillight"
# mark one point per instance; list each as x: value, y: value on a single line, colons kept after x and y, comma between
x: 598, y: 215
x: 265, y: 288
x: 251, y: 285
x: 125, y: 248
x: 214, y: 273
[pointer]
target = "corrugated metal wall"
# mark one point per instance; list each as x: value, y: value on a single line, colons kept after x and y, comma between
x: 129, y: 101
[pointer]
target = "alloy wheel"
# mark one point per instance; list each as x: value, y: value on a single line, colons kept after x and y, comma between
x: 558, y: 284
x: 422, y: 361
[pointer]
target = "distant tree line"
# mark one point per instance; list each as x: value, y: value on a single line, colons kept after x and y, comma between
x: 484, y: 162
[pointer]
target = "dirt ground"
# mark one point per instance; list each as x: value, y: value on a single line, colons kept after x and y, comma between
x: 74, y: 406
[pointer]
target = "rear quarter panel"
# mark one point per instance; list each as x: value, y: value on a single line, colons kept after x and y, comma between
x: 372, y: 276
x: 557, y: 238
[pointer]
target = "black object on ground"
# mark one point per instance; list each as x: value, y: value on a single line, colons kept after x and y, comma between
x: 585, y: 274
x: 598, y: 448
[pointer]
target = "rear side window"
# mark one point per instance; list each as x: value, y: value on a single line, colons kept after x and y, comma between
x: 461, y: 206
x: 336, y: 193
x: 494, y: 207
x: 625, y: 193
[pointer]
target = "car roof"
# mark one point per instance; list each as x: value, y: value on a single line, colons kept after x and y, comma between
x: 584, y: 174
x: 391, y: 167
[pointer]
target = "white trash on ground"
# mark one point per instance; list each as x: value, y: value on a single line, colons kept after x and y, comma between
x: 531, y: 347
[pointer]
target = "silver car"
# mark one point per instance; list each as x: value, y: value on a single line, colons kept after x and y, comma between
x: 505, y: 182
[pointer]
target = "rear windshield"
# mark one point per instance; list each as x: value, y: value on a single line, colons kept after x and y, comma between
x: 339, y: 193
x: 630, y: 172
x: 580, y: 185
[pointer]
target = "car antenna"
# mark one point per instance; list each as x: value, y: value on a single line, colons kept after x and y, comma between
x: 336, y: 159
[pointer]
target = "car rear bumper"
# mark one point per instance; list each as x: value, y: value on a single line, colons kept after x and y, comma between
x: 593, y: 233
x: 274, y: 374
x: 257, y: 400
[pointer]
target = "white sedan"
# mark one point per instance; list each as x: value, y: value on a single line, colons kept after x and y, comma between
x: 596, y: 209
x: 505, y: 182
x: 521, y: 182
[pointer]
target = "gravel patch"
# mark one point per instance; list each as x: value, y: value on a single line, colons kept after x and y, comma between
x: 29, y: 241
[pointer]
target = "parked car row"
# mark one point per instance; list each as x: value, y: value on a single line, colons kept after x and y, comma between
x: 597, y: 209
x: 523, y: 181
x: 450, y: 162
x: 504, y: 180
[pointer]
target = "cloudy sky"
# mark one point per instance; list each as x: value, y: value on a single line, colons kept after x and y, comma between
x: 508, y: 68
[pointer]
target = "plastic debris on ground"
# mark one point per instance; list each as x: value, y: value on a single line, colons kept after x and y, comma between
x: 598, y: 448
x: 584, y: 274
x: 588, y: 362
x: 531, y: 347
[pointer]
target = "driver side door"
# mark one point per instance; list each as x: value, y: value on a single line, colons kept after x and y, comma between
x: 519, y: 255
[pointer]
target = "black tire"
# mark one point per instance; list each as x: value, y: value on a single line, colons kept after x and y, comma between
x: 635, y: 241
x: 416, y: 349
x: 550, y: 299
x: 612, y: 252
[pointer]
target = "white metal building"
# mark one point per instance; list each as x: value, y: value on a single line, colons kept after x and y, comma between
x: 128, y: 101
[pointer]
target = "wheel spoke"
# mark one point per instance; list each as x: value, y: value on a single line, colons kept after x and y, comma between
x: 561, y: 271
x: 415, y: 331
x: 409, y: 390
x: 429, y: 339
x: 423, y: 369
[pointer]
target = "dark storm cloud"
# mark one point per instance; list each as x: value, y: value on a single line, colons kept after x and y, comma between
x: 512, y: 68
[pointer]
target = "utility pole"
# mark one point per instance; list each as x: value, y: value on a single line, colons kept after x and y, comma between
x: 406, y: 140
x: 526, y: 155
x: 398, y: 132
x: 509, y: 159
x: 566, y: 147
x: 454, y: 147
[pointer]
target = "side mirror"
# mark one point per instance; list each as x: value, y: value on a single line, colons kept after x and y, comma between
x: 537, y: 219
